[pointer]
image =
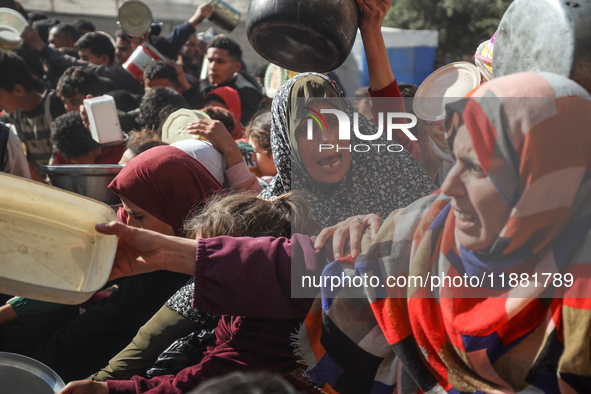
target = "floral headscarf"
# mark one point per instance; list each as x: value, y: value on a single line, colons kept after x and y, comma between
x: 376, y: 182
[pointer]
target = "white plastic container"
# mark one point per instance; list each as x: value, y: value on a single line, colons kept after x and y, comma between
x: 104, y: 121
x: 50, y: 249
x: 12, y: 24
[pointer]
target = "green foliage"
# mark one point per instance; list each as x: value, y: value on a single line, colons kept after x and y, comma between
x: 462, y: 24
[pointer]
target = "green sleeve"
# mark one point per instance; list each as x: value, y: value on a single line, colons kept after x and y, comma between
x: 152, y: 338
x: 28, y: 307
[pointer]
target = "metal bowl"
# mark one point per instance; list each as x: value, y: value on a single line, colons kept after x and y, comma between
x: 24, y: 375
x: 90, y: 180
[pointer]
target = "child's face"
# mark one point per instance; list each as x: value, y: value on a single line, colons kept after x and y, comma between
x: 10, y: 100
x: 265, y: 162
x: 73, y: 103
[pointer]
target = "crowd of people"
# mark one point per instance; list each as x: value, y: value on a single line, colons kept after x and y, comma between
x: 217, y: 231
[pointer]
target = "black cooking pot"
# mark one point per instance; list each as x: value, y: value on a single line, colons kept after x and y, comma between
x: 545, y: 35
x: 303, y: 35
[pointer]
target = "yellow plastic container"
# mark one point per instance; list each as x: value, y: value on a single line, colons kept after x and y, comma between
x: 175, y: 127
x: 49, y: 249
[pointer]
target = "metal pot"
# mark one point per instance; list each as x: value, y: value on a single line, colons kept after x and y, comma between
x: 303, y: 35
x: 545, y: 35
x: 223, y: 15
x: 134, y: 17
x: 90, y: 180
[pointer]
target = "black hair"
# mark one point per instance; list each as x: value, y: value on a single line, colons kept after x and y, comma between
x: 139, y: 142
x: 43, y: 25
x: 224, y: 42
x: 162, y: 69
x: 163, y: 46
x: 33, y: 61
x: 13, y: 71
x: 125, y: 100
x: 163, y: 115
x: 70, y: 137
x: 34, y: 16
x: 153, y: 101
x: 84, y: 25
x: 98, y: 44
x: 121, y: 34
x: 79, y: 80
x: 407, y: 89
x: 67, y: 29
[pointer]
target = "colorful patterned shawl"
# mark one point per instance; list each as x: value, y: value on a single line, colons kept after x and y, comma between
x: 412, y: 339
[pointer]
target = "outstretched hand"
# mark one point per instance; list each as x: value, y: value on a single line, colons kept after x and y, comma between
x: 32, y: 38
x: 140, y: 251
x: 349, y: 229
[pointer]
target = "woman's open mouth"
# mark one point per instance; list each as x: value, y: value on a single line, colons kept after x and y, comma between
x: 464, y: 220
x: 330, y: 161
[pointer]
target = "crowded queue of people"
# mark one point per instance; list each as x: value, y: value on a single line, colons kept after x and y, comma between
x: 216, y: 236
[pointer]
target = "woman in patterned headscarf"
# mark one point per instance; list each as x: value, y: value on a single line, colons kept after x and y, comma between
x: 513, y: 223
x: 339, y: 184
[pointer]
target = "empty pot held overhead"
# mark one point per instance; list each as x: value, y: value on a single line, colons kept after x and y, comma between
x: 545, y: 35
x: 303, y: 35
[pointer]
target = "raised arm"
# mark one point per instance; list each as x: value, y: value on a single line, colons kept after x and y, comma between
x: 180, y: 34
x: 370, y: 27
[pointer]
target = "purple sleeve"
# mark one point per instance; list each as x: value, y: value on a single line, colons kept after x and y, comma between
x: 253, y: 277
x: 159, y: 384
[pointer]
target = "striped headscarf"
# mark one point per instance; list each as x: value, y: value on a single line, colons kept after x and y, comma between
x: 376, y: 182
x: 530, y: 132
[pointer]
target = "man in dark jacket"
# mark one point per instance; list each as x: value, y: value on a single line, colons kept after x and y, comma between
x: 223, y: 69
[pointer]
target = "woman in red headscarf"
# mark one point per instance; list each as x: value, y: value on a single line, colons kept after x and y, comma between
x: 163, y: 184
